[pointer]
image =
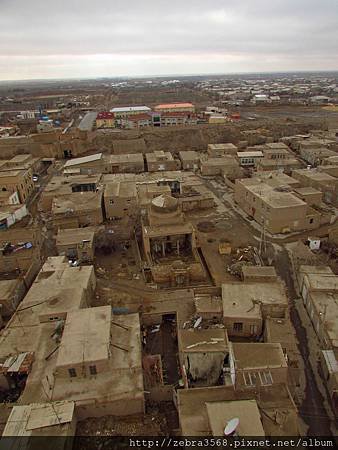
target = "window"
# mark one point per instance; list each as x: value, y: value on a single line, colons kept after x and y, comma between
x: 92, y: 370
x: 238, y: 326
x: 111, y: 202
x: 250, y: 378
x: 72, y: 373
x: 311, y: 220
x: 266, y: 378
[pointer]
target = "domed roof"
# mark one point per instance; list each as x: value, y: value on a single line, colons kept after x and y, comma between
x: 164, y: 203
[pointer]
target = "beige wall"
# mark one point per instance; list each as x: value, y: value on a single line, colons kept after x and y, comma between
x: 277, y: 220
x: 159, y: 166
x: 251, y: 326
x: 116, y: 206
x: 21, y: 183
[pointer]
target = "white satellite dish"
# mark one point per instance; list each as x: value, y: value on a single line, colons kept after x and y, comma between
x: 231, y: 426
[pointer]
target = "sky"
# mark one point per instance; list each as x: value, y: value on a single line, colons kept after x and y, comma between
x: 108, y: 38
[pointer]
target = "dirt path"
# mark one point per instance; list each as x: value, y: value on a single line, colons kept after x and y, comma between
x: 313, y: 409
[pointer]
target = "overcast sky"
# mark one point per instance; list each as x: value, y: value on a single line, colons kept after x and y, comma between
x: 88, y: 38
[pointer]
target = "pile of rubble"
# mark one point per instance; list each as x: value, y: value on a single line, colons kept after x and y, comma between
x: 246, y: 256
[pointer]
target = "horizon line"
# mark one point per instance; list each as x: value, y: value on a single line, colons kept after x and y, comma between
x: 169, y: 75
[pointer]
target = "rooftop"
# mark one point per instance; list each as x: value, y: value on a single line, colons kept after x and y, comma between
x: 204, y: 340
x: 273, y: 196
x: 63, y: 185
x: 258, y: 355
x: 174, y: 105
x: 86, y: 337
x: 276, y: 178
x: 45, y: 419
x: 125, y: 158
x: 57, y: 290
x: 277, y: 145
x: 83, y: 160
x: 75, y: 202
x: 271, y: 400
x: 87, y: 122
x: 126, y: 109
x: 122, y: 189
x: 316, y: 175
x: 69, y: 236
x: 7, y: 287
x: 252, y: 154
x: 326, y: 306
x: 237, y: 297
x: 307, y: 191
x: 159, y: 156
x: 280, y: 331
x: 189, y: 155
x: 11, y: 173
x: 219, y: 413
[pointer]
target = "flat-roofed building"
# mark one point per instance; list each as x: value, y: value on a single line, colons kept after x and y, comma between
x: 175, y: 107
x: 322, y: 181
x: 247, y: 412
x: 226, y: 166
x: 146, y: 192
x: 309, y: 195
x: 126, y: 163
x: 276, y: 179
x: 76, y: 243
x: 92, y: 164
x: 329, y: 365
x: 275, y: 207
x: 63, y: 186
x: 316, y: 156
x: 249, y: 158
x: 137, y: 121
x: 100, y: 358
x: 189, y: 159
x: 175, y: 118
x: 120, y: 199
x: 23, y: 162
x: 11, y: 214
x: 105, y: 119
x: 9, y: 198
x: 258, y: 364
x: 124, y: 111
x: 202, y: 354
x: 259, y: 274
x: 331, y: 160
x: 270, y: 164
x: 246, y: 305
x: 282, y: 331
x: 28, y: 423
x: 57, y: 290
x: 330, y: 169
x: 160, y: 161
x: 319, y: 291
x: 272, y: 401
x: 219, y: 150
x: 79, y: 209
x: 19, y: 181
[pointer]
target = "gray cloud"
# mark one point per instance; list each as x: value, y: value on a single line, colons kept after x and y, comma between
x: 115, y: 37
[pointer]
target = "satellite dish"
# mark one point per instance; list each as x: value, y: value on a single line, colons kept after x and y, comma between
x: 231, y: 426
